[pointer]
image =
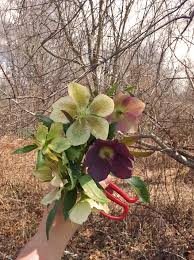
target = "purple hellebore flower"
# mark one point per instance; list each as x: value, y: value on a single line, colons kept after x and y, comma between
x: 108, y: 156
x: 127, y: 113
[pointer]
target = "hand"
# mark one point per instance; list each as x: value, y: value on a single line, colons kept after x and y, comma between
x: 39, y: 248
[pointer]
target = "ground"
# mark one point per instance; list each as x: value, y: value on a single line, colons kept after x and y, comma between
x: 164, y: 229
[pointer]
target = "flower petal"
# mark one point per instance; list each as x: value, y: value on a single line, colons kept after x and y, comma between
x: 56, y: 130
x: 41, y: 134
x: 98, y: 168
x: 127, y: 112
x: 122, y: 149
x: 80, y: 212
x: 43, y: 173
x: 129, y: 124
x: 102, y: 105
x: 59, y: 144
x: 135, y: 106
x: 56, y: 181
x: 79, y: 132
x: 50, y: 154
x: 67, y: 104
x: 58, y: 116
x: 122, y: 167
x: 98, y: 206
x: 80, y: 94
x: 99, y: 127
x: 51, y: 196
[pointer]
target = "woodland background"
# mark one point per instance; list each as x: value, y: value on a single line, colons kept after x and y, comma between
x: 145, y: 45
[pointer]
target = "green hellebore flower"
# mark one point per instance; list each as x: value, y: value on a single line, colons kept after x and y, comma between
x: 51, y: 141
x: 88, y: 117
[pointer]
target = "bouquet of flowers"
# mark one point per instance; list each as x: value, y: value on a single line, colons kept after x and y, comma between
x: 85, y: 139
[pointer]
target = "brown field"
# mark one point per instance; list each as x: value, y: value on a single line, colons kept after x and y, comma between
x: 162, y: 230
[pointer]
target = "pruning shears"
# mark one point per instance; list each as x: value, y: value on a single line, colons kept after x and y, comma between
x: 109, y: 193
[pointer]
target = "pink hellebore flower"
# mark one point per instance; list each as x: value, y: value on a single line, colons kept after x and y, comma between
x: 127, y: 113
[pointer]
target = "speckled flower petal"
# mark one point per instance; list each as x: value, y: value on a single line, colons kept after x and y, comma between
x: 129, y: 124
x: 67, y: 104
x: 79, y: 132
x: 43, y: 173
x: 80, y: 94
x: 102, y: 105
x: 58, y: 116
x: 51, y: 196
x: 80, y: 212
x: 56, y: 181
x: 55, y: 131
x: 127, y: 113
x: 41, y: 134
x: 99, y: 127
x: 98, y: 206
x: 135, y: 106
x: 59, y: 144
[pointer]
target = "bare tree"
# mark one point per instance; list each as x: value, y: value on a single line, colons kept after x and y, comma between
x: 47, y: 44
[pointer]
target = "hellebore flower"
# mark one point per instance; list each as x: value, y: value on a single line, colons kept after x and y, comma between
x: 87, y: 117
x: 52, y: 140
x: 109, y: 156
x: 127, y: 113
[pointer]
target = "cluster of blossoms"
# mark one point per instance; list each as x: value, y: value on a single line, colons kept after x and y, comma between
x: 77, y: 148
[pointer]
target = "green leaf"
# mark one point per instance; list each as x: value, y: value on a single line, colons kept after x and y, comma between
x: 80, y: 212
x: 44, y: 119
x: 69, y: 201
x: 55, y: 131
x: 140, y: 188
x: 91, y: 189
x: 51, y: 217
x: 112, y: 130
x: 139, y: 154
x: 129, y: 140
x: 66, y: 126
x: 112, y: 90
x: 41, y: 134
x: 26, y: 149
x: 59, y: 144
x: 74, y: 174
x: 64, y: 159
x: 40, y: 160
x: 130, y: 89
x: 75, y: 153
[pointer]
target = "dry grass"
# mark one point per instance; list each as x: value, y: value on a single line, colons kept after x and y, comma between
x: 162, y: 230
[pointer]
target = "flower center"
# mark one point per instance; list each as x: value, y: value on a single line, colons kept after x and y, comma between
x: 118, y: 114
x: 106, y: 153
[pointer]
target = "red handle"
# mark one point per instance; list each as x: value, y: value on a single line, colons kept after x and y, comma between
x: 114, y: 187
x: 109, y: 190
x: 119, y: 202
